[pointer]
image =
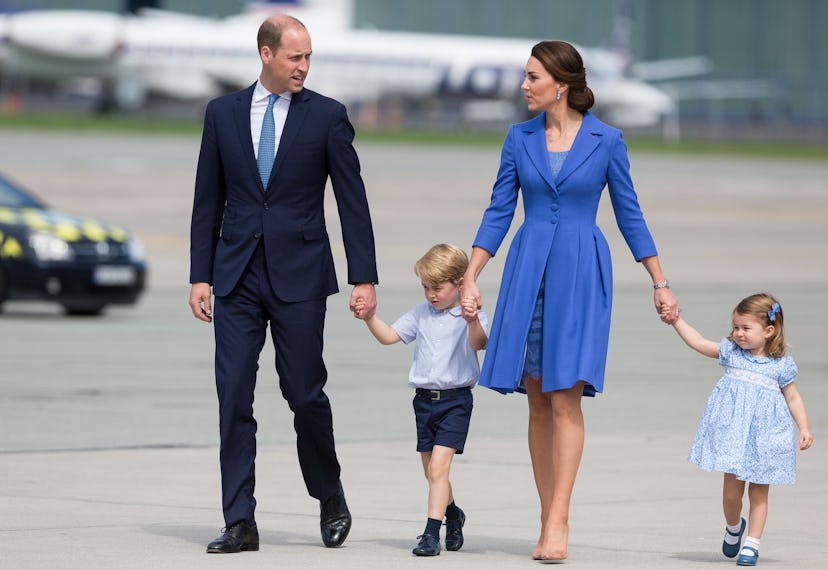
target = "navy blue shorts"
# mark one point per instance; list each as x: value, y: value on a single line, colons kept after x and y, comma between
x: 443, y: 421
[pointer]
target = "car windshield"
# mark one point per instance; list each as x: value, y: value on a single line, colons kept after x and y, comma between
x: 12, y: 196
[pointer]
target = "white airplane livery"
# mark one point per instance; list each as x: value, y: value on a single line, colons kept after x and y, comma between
x: 197, y: 58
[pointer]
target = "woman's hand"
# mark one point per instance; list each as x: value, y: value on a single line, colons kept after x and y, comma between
x: 468, y: 285
x: 666, y: 305
x: 469, y: 290
x: 470, y: 307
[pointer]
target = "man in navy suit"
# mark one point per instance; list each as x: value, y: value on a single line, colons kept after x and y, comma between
x: 260, y: 241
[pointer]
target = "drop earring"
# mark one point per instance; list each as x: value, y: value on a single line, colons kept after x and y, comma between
x: 558, y: 96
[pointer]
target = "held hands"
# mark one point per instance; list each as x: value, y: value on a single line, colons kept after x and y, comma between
x: 470, y: 307
x: 469, y: 290
x: 363, y: 301
x: 666, y: 305
x: 359, y: 309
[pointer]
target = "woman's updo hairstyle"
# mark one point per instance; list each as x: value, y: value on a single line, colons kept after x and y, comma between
x: 564, y: 63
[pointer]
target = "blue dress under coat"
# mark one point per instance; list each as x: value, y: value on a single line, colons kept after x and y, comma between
x: 559, y: 247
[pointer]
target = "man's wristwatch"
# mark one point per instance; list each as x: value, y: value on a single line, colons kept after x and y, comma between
x: 662, y: 285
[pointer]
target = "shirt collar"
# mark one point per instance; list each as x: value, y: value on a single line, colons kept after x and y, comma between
x: 454, y: 311
x: 260, y: 93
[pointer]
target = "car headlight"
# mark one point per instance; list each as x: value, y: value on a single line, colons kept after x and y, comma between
x: 135, y: 249
x: 48, y: 247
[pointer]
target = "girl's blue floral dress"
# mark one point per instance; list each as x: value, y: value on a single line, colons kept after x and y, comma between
x: 747, y: 429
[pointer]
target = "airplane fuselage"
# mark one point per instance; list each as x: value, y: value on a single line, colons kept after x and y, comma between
x: 199, y: 58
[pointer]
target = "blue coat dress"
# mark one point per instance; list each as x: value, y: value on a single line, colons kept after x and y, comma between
x: 560, y: 248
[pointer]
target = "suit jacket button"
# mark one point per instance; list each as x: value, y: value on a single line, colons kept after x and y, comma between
x: 257, y: 235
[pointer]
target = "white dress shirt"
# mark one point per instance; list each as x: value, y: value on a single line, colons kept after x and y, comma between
x: 257, y: 111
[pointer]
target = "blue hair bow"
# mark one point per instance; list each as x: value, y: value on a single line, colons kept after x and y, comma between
x: 772, y: 313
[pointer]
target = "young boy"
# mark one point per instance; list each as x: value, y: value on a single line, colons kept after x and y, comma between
x: 449, y: 334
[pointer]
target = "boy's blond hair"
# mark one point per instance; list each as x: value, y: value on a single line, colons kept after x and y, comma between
x: 441, y: 264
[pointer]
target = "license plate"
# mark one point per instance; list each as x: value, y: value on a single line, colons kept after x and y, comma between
x: 113, y: 275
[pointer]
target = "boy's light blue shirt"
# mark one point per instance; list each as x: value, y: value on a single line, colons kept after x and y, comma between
x: 443, y: 358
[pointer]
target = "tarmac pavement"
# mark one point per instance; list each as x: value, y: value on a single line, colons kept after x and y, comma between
x: 108, y: 446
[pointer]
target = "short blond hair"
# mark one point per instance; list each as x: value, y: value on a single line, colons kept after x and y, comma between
x: 442, y: 263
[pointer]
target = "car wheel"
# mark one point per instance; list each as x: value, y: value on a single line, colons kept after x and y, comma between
x: 84, y: 309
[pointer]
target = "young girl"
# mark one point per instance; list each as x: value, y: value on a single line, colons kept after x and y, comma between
x: 746, y: 430
x: 448, y: 335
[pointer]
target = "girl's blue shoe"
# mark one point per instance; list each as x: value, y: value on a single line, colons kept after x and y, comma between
x: 731, y: 550
x: 748, y: 559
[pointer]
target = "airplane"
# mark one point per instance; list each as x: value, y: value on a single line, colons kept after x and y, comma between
x: 195, y: 58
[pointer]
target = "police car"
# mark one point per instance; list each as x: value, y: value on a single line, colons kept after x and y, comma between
x: 78, y: 262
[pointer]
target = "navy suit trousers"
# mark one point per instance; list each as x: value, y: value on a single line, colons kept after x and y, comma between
x: 240, y: 323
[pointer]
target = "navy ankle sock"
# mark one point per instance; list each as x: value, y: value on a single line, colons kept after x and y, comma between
x: 433, y: 527
x: 452, y: 512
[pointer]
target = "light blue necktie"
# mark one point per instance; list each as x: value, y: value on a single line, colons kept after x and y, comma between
x: 267, y: 142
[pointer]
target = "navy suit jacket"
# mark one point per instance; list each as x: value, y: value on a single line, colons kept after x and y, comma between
x: 233, y: 213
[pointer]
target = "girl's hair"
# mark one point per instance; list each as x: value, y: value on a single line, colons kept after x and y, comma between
x: 441, y: 264
x: 766, y: 309
x: 564, y: 64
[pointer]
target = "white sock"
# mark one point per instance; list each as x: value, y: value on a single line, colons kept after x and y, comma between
x: 732, y: 534
x: 753, y: 543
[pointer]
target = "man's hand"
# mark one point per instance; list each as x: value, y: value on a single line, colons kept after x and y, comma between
x: 200, y: 302
x: 367, y: 297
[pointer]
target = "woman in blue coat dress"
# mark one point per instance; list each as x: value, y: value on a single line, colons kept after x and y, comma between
x: 551, y: 324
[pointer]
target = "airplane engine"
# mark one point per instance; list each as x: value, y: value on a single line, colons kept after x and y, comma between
x: 626, y: 103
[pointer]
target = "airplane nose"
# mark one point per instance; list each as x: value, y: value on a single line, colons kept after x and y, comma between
x: 85, y: 36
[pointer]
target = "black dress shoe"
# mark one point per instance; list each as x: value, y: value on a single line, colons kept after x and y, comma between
x: 334, y: 519
x: 428, y: 545
x: 237, y: 537
x: 454, y: 531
